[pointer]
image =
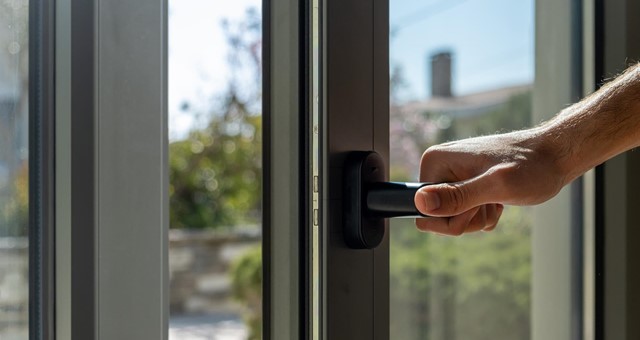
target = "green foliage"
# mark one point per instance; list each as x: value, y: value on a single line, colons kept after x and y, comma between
x: 472, y: 287
x: 216, y: 174
x: 246, y: 283
x: 14, y: 211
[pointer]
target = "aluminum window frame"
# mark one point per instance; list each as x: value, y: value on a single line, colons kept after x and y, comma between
x: 112, y: 170
x: 557, y: 232
x: 41, y: 170
x: 285, y: 292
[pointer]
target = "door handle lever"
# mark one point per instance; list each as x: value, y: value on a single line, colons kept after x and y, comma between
x: 368, y: 199
x: 392, y: 199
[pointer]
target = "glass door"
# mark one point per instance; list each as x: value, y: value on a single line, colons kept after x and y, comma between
x: 400, y: 76
x: 15, y: 171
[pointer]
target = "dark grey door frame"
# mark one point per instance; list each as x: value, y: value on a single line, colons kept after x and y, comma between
x: 283, y: 158
x: 617, y: 187
x: 42, y: 298
x: 356, y: 111
x: 354, y: 115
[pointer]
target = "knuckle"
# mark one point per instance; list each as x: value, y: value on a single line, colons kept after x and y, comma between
x: 426, y: 164
x: 490, y: 227
x: 480, y: 223
x: 430, y: 153
x: 457, y: 231
x: 458, y: 196
x: 458, y: 225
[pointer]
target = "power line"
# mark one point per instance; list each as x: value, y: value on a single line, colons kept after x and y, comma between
x: 425, y: 13
x: 500, y: 56
x: 499, y: 63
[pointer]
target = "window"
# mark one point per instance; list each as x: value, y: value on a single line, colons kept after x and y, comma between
x: 215, y: 164
x: 14, y: 170
x: 462, y: 69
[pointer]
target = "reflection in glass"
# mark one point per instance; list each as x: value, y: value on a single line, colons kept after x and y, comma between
x: 215, y: 169
x: 459, y: 69
x: 14, y: 172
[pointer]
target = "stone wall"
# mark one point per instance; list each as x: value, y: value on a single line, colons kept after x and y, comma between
x: 14, y: 287
x: 199, y: 263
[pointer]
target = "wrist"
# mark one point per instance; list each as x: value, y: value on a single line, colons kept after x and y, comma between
x: 554, y: 147
x: 573, y: 142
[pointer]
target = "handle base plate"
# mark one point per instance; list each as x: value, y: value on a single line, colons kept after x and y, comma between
x: 361, y: 230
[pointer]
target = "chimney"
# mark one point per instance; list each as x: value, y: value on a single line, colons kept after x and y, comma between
x: 441, y: 74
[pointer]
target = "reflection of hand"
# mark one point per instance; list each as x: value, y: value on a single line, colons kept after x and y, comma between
x: 478, y: 175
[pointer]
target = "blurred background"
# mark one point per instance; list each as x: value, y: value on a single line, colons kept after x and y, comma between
x: 14, y: 169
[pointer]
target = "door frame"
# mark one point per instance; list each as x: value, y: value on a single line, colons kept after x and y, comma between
x: 42, y: 189
x: 356, y: 118
x: 617, y: 186
x: 111, y: 166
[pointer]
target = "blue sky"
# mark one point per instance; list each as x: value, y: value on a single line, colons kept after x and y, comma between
x: 492, y: 42
x: 198, y: 68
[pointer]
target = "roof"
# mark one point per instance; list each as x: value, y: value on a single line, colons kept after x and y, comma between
x: 467, y: 105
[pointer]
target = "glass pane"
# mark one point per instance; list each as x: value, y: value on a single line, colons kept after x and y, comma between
x: 459, y: 69
x: 215, y: 169
x: 14, y: 170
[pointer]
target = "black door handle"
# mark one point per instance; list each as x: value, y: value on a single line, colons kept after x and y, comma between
x: 368, y: 199
x: 392, y: 199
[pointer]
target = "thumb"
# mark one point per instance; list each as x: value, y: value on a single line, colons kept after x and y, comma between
x: 451, y: 199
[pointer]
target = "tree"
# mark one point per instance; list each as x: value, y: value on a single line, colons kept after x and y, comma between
x: 215, y: 173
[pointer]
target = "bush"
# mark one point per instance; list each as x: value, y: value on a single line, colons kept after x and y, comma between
x: 246, y: 284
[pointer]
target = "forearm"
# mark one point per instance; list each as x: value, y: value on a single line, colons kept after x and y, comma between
x: 597, y: 128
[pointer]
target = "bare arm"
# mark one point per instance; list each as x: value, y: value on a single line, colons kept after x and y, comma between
x: 479, y: 175
x: 600, y: 126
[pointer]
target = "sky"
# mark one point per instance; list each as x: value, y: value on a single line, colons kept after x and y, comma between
x: 198, y: 53
x: 492, y: 42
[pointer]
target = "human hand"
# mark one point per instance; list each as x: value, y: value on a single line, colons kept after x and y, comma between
x: 477, y: 176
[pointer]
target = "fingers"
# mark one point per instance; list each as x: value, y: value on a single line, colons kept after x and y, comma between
x: 482, y: 218
x: 451, y: 199
x: 493, y: 216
